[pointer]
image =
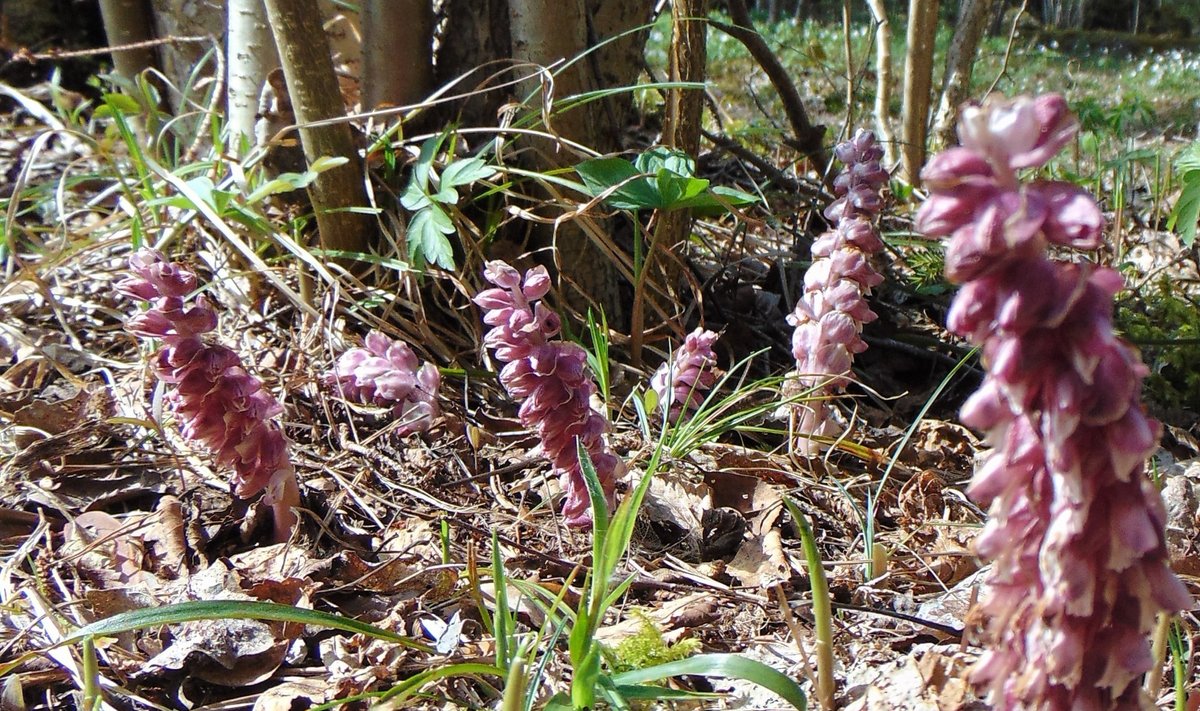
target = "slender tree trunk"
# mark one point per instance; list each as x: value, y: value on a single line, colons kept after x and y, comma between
x: 918, y: 82
x: 689, y: 55
x: 129, y: 22
x: 883, y: 80
x: 544, y: 32
x: 250, y: 54
x: 315, y: 97
x: 397, y: 52
x: 973, y: 17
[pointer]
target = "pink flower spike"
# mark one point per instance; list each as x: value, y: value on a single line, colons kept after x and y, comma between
x: 1075, y: 527
x: 829, y: 317
x: 684, y: 380
x: 215, y: 401
x: 388, y: 374
x: 550, y: 378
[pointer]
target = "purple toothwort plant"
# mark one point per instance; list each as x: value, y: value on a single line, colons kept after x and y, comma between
x: 833, y: 308
x: 550, y: 379
x: 683, y: 381
x: 387, y: 373
x: 1076, y: 529
x: 216, y: 402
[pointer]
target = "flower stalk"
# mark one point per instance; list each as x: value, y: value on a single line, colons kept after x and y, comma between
x: 685, y: 379
x: 830, y: 314
x: 549, y: 377
x: 216, y: 402
x: 387, y: 373
x: 1075, y: 528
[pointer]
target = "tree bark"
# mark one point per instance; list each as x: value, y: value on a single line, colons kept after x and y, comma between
x: 250, y: 54
x: 129, y: 22
x: 543, y: 32
x: 618, y: 60
x: 186, y: 18
x: 397, y: 52
x: 973, y: 16
x: 918, y: 82
x: 315, y: 97
x: 883, y: 80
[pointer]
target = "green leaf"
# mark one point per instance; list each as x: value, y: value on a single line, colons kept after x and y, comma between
x: 1187, y: 209
x: 446, y: 195
x: 601, y: 175
x: 726, y: 666
x: 465, y: 172
x: 325, y: 163
x: 424, y: 164
x: 414, y: 197
x: 427, y: 237
x: 229, y: 610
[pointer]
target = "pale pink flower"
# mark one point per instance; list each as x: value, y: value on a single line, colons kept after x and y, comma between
x: 830, y: 314
x: 387, y: 373
x: 1075, y: 527
x: 550, y: 379
x: 683, y: 382
x: 215, y: 401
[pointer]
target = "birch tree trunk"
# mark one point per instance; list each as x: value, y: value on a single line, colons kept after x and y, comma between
x: 883, y: 80
x: 249, y: 54
x: 314, y: 95
x: 190, y: 19
x: 397, y: 52
x: 973, y: 16
x: 918, y: 82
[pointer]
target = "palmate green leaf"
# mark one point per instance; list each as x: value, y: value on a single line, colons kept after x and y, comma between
x: 725, y: 666
x: 427, y: 241
x: 465, y: 172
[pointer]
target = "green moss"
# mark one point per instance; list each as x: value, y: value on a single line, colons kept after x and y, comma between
x: 647, y: 648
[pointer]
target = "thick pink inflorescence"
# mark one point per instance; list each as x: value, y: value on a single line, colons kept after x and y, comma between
x: 833, y: 308
x: 550, y: 379
x: 387, y: 373
x: 1076, y: 529
x: 216, y: 402
x: 683, y: 382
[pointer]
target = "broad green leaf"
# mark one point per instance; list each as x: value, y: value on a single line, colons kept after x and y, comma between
x: 1187, y: 209
x: 115, y: 102
x: 600, y: 175
x: 725, y: 666
x: 466, y: 171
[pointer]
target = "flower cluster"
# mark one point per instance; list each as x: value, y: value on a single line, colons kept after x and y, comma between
x: 387, y: 373
x: 683, y: 382
x: 830, y: 314
x: 550, y: 379
x: 215, y: 401
x: 1075, y: 526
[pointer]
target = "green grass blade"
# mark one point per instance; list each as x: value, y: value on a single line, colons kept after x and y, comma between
x: 727, y: 666
x: 229, y: 610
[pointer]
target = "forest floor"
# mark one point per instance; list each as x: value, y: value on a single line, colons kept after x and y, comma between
x: 105, y: 509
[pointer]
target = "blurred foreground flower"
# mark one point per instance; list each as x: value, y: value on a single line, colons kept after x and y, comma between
x: 683, y: 382
x: 215, y: 401
x: 830, y: 314
x: 550, y: 380
x: 386, y: 373
x: 1075, y: 528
